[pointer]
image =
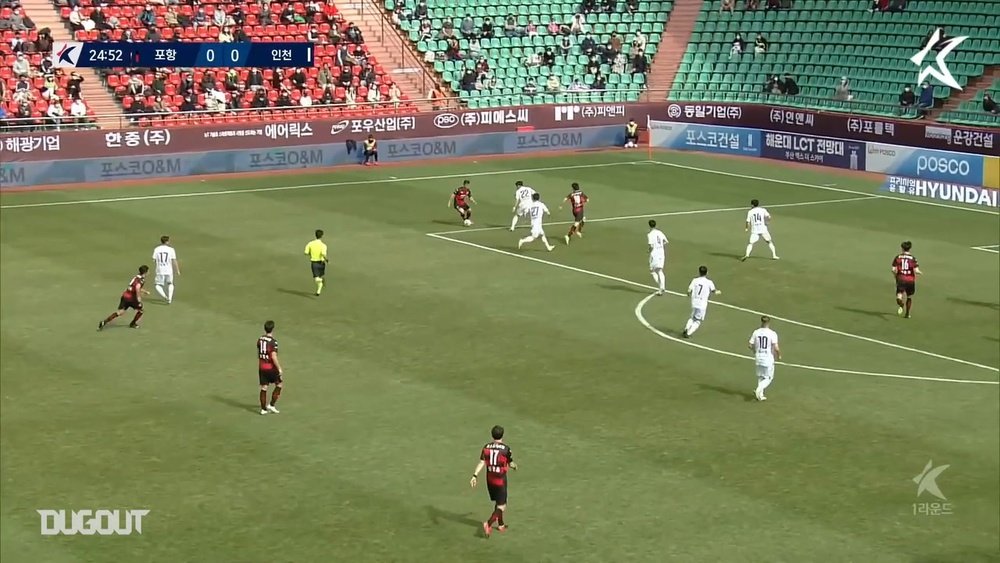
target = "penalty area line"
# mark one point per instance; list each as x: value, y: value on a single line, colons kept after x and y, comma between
x: 642, y: 320
x: 717, y: 303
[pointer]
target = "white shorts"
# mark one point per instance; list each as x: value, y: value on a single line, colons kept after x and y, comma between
x: 164, y: 279
x: 754, y: 237
x: 698, y: 313
x: 765, y: 371
x: 656, y: 260
x: 536, y: 231
x: 522, y: 209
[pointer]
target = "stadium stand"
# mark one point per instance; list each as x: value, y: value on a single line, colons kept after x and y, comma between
x: 817, y: 43
x: 536, y: 51
x: 974, y: 111
x: 32, y: 93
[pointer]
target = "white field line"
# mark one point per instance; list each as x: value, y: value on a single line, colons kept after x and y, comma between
x: 717, y: 303
x: 642, y: 320
x: 387, y: 180
x: 994, y: 248
x: 668, y: 214
x: 827, y: 188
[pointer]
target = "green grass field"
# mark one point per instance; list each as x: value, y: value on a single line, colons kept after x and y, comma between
x: 632, y: 445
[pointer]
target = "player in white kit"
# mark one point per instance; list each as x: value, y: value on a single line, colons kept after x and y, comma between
x: 757, y: 221
x: 764, y: 344
x: 165, y: 258
x: 657, y: 242
x: 700, y: 289
x: 536, y: 211
x: 522, y: 201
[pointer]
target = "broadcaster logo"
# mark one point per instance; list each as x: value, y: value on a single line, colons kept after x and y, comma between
x: 943, y: 75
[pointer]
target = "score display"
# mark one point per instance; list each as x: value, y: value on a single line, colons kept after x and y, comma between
x: 95, y: 54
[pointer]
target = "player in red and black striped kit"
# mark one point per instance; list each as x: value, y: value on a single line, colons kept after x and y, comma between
x: 268, y: 369
x: 460, y: 200
x: 906, y: 269
x: 498, y: 460
x: 131, y: 299
x: 577, y: 199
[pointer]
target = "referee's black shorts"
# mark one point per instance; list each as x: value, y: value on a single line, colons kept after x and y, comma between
x: 318, y: 269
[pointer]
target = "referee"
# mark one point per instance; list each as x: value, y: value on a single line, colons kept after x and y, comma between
x: 316, y: 251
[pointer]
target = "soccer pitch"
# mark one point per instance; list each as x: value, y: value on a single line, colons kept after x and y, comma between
x: 633, y: 444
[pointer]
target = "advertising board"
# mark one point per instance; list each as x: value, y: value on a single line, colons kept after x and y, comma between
x: 706, y: 138
x: 925, y: 164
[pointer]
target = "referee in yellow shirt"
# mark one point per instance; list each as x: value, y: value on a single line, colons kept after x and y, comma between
x: 316, y: 251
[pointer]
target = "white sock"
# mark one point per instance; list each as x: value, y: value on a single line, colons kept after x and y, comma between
x: 774, y: 252
x: 170, y: 292
x: 656, y: 277
x: 513, y: 222
x: 663, y: 281
x: 749, y: 248
x: 693, y: 326
x: 525, y: 240
x: 159, y: 289
x: 763, y: 383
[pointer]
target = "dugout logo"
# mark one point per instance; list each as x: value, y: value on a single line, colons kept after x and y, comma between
x: 91, y: 522
x: 445, y: 120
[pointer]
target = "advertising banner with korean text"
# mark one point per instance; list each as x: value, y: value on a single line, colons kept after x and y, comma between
x: 705, y: 138
x: 809, y: 149
x: 941, y: 191
x: 924, y: 164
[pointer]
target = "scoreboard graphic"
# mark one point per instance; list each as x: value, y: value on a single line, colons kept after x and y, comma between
x: 78, y: 54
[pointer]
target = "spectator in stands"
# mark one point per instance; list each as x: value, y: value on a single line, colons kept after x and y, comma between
x: 548, y: 57
x: 420, y: 12
x: 207, y: 80
x: 565, y: 45
x: 619, y: 63
x: 842, y: 93
x: 128, y: 36
x: 200, y: 19
x: 752, y: 5
x: 287, y: 14
x: 344, y: 57
x: 426, y: 31
x: 43, y: 44
x: 170, y: 18
x: 468, y: 27
x: 267, y: 18
x: 632, y: 6
x: 553, y: 28
x: 327, y: 99
x: 374, y: 98
x: 312, y: 34
x: 640, y: 65
x: 305, y: 99
x: 154, y: 36
x: 334, y: 35
x: 510, y: 28
x: 299, y: 78
x: 593, y: 64
x: 186, y: 86
x: 21, y: 66
x: 49, y: 86
x: 346, y: 76
x: 552, y: 85
x: 23, y: 115
x: 75, y: 19
x: 312, y: 8
x: 475, y: 48
x: 17, y: 43
x: 447, y: 30
x: 368, y: 75
x: 989, y: 106
x: 219, y: 16
x: 240, y: 35
x: 284, y: 99
x: 259, y: 100
x: 135, y: 87
x: 599, y: 82
x: 925, y: 102
x: 147, y: 17
x: 588, y: 46
x: 22, y: 86
x: 738, y: 46
x: 530, y: 88
x: 255, y: 81
x: 78, y: 110
x: 639, y: 42
x: 325, y: 75
x: 897, y: 6
x: 578, y: 24
x: 577, y: 86
x: 907, y: 98
x: 773, y: 85
x: 237, y: 17
x: 21, y: 21
x: 351, y: 97
x: 55, y: 113
x: 160, y: 107
x: 487, y: 31
x: 237, y: 99
x: 453, y: 51
x: 789, y: 86
x: 395, y: 94
x: 225, y: 35
x: 232, y: 80
x: 46, y: 66
x: 188, y: 105
x: 727, y: 6
x: 532, y: 29
x: 773, y: 4
x: 879, y: 6
x: 760, y: 44
x: 533, y: 60
x: 354, y: 34
x: 159, y: 84
x: 588, y: 6
x: 610, y: 6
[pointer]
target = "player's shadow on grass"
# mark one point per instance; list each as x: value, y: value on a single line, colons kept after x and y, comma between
x: 243, y: 406
x: 747, y: 397
x: 879, y: 314
x: 436, y: 515
x: 984, y: 304
x: 625, y: 288
x: 298, y: 292
x: 731, y: 255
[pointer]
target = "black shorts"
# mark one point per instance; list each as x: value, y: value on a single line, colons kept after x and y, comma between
x: 318, y: 269
x: 371, y: 153
x: 909, y: 288
x: 578, y: 215
x: 269, y: 377
x: 125, y: 304
x: 464, y: 208
x: 631, y: 138
x: 498, y: 493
